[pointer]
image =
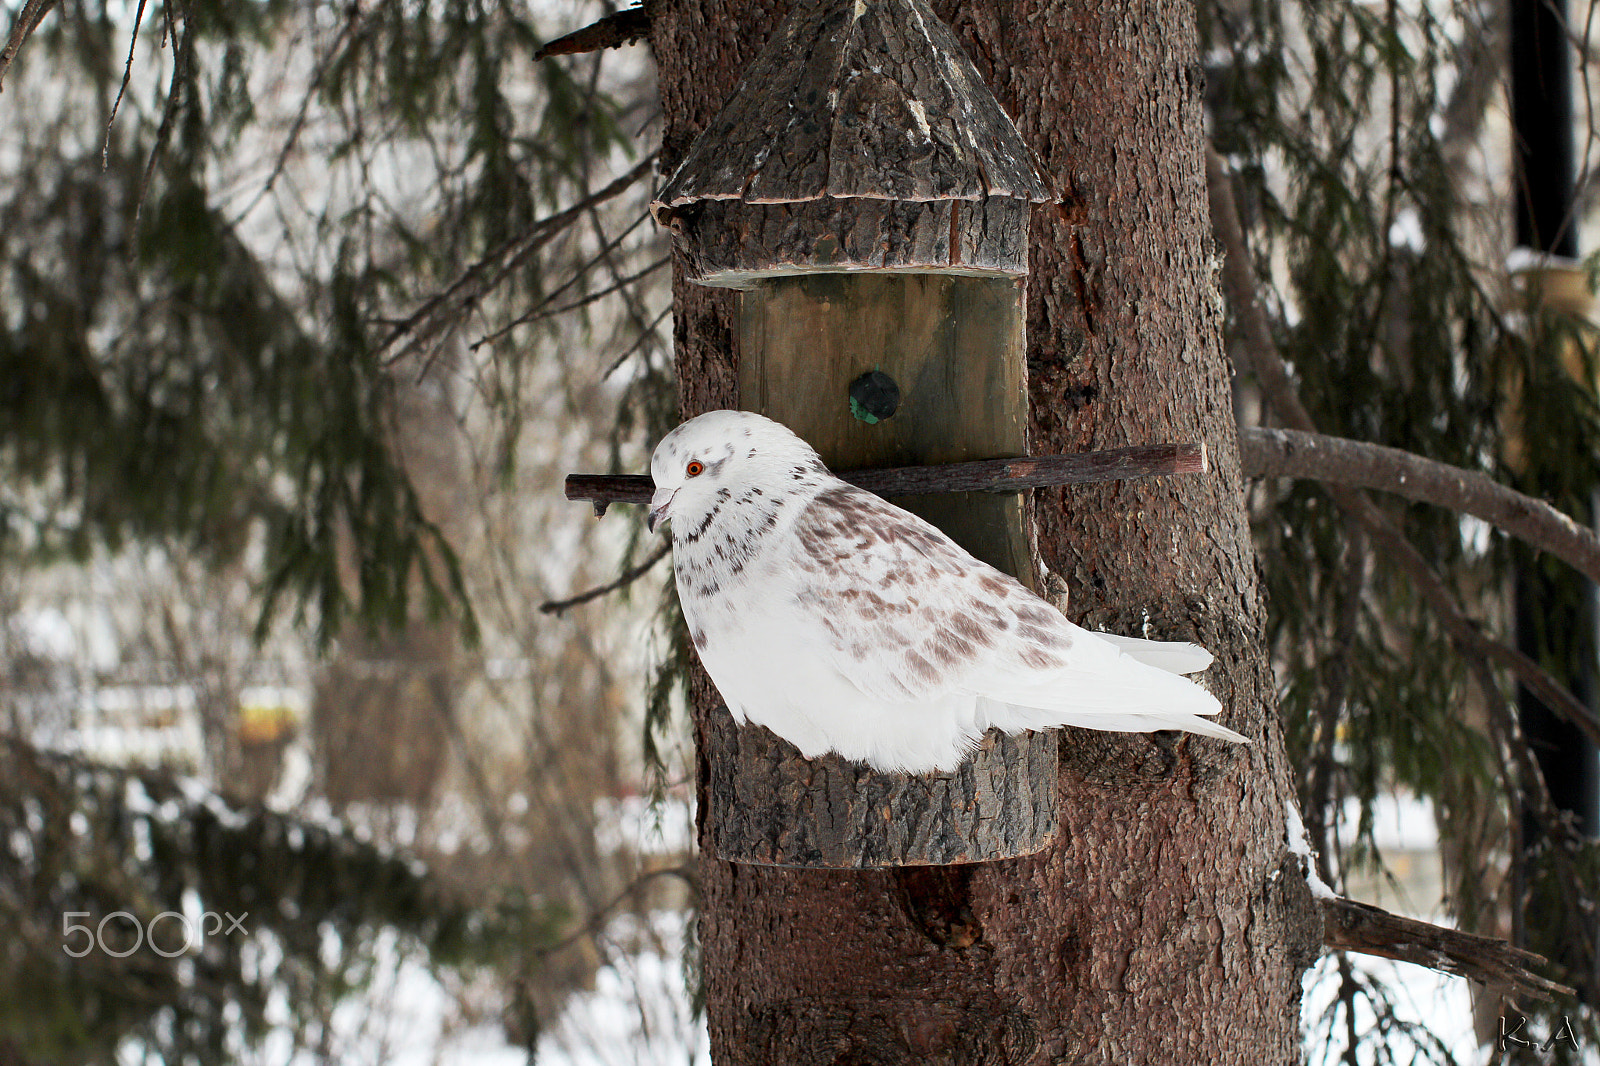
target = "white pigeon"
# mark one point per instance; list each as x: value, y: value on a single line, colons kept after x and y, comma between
x: 844, y: 623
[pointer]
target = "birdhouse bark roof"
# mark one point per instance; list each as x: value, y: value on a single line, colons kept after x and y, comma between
x: 858, y: 99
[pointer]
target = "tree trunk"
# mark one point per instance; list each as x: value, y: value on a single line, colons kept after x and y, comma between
x: 1167, y: 924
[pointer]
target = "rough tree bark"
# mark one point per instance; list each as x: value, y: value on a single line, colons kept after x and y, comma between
x: 1169, y: 923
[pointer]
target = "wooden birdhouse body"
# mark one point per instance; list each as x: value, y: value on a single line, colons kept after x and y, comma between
x: 870, y: 198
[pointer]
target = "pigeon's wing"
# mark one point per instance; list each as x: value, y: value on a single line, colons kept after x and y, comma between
x: 1101, y: 687
x: 904, y: 612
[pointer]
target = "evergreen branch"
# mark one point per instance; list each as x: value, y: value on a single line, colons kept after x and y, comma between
x: 1323, y: 763
x: 613, y: 31
x: 1244, y: 298
x: 542, y: 310
x: 1512, y: 747
x: 627, y: 577
x: 597, y: 920
x: 28, y: 19
x: 1298, y: 454
x: 1239, y: 284
x: 984, y: 475
x: 1464, y: 631
x: 1351, y: 926
x: 489, y: 271
x: 352, y: 21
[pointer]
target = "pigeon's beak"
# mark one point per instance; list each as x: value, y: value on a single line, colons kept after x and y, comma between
x: 658, y: 508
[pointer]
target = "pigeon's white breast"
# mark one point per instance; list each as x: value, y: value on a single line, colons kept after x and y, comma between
x: 766, y: 659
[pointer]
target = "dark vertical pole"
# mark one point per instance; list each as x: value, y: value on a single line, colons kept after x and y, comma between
x: 1541, y: 123
x: 1555, y: 613
x: 1555, y: 608
x: 1555, y: 625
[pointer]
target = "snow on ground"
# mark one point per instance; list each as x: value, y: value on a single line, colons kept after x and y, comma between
x: 638, y: 1011
x: 1404, y: 830
x: 1406, y: 833
x: 1441, y: 1003
x: 637, y: 1014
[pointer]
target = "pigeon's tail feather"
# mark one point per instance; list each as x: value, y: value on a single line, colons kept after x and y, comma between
x: 1011, y: 717
x: 1191, y: 723
x: 1173, y: 656
x: 1104, y: 688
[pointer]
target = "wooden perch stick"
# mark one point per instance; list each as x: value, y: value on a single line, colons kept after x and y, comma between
x: 1351, y: 926
x: 615, y: 30
x: 985, y: 475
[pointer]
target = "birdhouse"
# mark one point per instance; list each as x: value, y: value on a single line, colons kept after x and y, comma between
x: 869, y: 198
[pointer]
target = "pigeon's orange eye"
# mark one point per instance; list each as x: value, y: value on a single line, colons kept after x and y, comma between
x: 695, y: 468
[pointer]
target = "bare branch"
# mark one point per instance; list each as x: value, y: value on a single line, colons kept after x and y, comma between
x: 985, y: 475
x: 182, y: 57
x: 646, y: 335
x: 613, y: 31
x: 127, y: 76
x: 353, y: 19
x: 543, y: 310
x: 1351, y: 926
x: 627, y: 577
x: 28, y: 19
x: 1294, y: 453
x: 635, y: 312
x: 598, y: 919
x: 494, y: 267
